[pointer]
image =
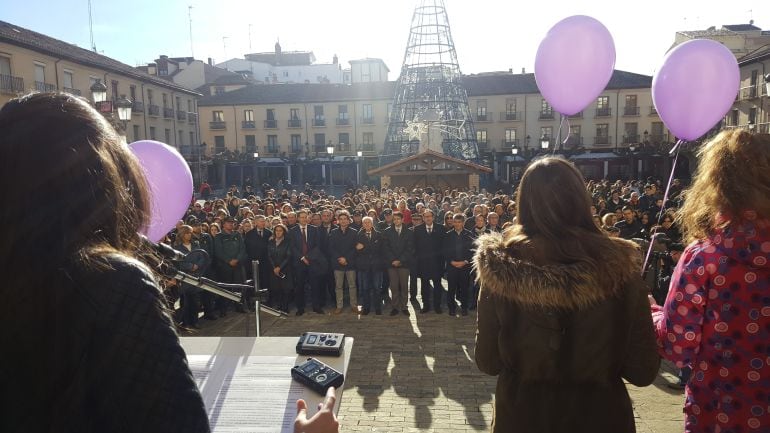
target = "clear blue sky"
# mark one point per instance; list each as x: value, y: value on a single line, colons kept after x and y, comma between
x: 489, y: 34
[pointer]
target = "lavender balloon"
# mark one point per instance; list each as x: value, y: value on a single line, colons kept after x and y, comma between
x: 574, y: 63
x: 695, y: 87
x: 170, y: 182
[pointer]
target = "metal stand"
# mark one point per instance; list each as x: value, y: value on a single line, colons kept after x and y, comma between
x: 255, y: 273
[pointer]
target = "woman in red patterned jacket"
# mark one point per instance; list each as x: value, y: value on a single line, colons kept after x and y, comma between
x: 716, y: 318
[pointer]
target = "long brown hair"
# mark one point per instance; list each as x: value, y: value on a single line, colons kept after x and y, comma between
x: 80, y: 191
x: 554, y: 216
x: 733, y: 176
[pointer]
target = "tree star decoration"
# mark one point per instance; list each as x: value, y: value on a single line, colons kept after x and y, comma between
x: 415, y: 130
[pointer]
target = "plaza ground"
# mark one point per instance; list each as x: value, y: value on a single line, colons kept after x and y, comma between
x: 416, y: 373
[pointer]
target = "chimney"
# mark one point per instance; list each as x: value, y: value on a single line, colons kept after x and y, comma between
x: 523, y: 71
x: 278, y: 48
x: 211, y: 62
x: 510, y: 70
x: 335, y: 59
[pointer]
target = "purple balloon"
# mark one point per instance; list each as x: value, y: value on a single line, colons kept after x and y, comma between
x: 170, y: 182
x: 574, y: 63
x: 695, y: 87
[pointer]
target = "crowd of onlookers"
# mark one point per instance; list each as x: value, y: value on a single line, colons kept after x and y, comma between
x: 369, y: 248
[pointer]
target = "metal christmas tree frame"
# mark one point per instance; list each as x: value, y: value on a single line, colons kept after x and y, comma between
x: 430, y: 105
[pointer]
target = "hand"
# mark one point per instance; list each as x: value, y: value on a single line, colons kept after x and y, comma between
x: 305, y: 261
x: 277, y: 271
x: 194, y: 267
x: 359, y: 246
x: 324, y: 421
x: 233, y: 263
x: 651, y: 300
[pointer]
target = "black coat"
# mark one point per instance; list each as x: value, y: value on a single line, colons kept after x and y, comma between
x: 318, y: 262
x: 429, y: 250
x: 279, y: 256
x: 370, y: 258
x: 458, y: 247
x: 100, y: 354
x: 342, y: 245
x: 399, y: 247
x: 256, y: 245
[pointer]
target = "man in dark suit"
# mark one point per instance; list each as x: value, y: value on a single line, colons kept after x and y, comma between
x: 327, y: 283
x: 458, y: 245
x: 306, y: 252
x: 256, y: 241
x: 429, y: 246
x: 399, y: 253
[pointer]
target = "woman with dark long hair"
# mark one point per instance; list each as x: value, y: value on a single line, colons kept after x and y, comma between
x: 87, y: 344
x: 716, y: 318
x: 563, y: 316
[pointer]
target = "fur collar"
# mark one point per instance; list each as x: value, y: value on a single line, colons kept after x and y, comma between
x: 567, y: 287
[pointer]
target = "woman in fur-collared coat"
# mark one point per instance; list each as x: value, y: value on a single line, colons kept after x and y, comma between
x: 563, y: 315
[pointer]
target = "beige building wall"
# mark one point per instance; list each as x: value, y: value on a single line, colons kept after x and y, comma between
x: 510, y: 119
x: 34, y: 71
x: 332, y: 126
x: 752, y: 106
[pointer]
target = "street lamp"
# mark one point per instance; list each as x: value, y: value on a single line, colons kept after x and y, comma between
x: 514, y: 151
x: 99, y: 91
x: 544, y: 142
x: 330, y: 151
x: 124, y: 106
x: 359, y: 154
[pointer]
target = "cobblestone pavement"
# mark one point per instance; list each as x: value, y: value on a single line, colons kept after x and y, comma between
x: 416, y: 373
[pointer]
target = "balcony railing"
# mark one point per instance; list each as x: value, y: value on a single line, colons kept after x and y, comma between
x: 251, y: 148
x: 576, y: 116
x: 763, y: 128
x: 137, y: 107
x: 71, y: 91
x: 509, y: 116
x: 181, y: 115
x: 602, y: 139
x: 486, y: 117
x: 367, y: 120
x: 342, y: 122
x: 343, y: 147
x: 749, y: 92
x: 546, y: 115
x: 168, y: 113
x: 657, y: 138
x: 248, y: 124
x: 574, y: 140
x: 367, y: 147
x: 319, y: 122
x: 483, y: 146
x: 153, y: 110
x: 295, y: 123
x: 219, y: 149
x: 272, y: 148
x: 11, y: 84
x: 603, y: 112
x: 44, y: 87
x: 271, y: 124
x: 217, y: 124
x: 653, y: 110
x: 507, y: 143
x: 628, y: 139
x: 630, y: 111
x: 192, y: 117
x: 295, y: 148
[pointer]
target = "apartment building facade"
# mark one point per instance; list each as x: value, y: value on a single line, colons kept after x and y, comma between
x: 162, y: 110
x: 292, y: 126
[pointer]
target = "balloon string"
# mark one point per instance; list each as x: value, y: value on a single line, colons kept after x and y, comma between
x: 562, y: 120
x: 675, y: 152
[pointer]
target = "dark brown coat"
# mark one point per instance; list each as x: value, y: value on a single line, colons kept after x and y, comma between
x: 560, y: 342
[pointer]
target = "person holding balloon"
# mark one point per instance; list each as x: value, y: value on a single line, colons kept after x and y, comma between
x: 88, y: 345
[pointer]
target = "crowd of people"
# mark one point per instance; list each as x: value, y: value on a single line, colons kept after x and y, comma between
x: 365, y: 251
x: 563, y: 314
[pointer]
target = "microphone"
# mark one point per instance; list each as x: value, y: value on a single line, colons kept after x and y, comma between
x: 164, y: 250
